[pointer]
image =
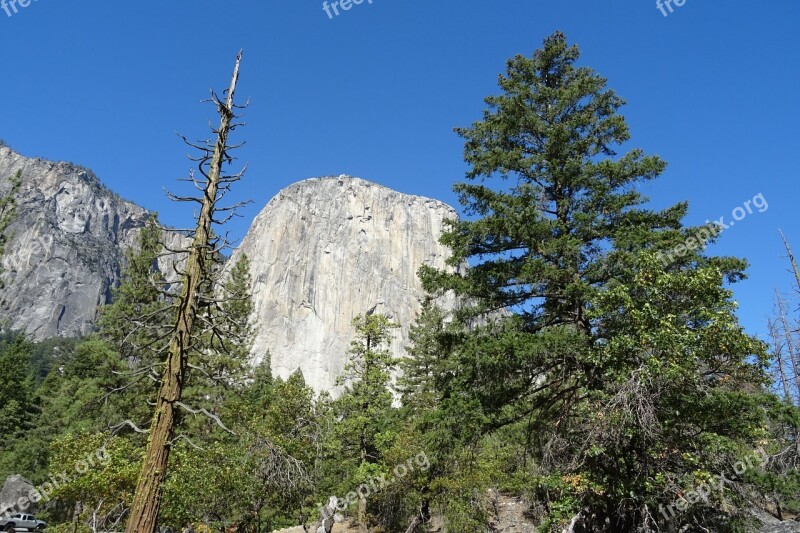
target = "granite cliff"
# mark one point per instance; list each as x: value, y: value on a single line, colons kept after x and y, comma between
x: 322, y: 251
x: 327, y: 249
x: 65, y: 248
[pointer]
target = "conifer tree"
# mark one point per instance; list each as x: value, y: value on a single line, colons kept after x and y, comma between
x: 196, y: 293
x: 136, y: 321
x: 366, y: 403
x: 136, y: 324
x: 431, y: 341
x: 16, y: 388
x: 219, y: 364
x: 596, y: 322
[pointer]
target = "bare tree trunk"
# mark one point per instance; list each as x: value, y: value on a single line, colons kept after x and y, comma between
x: 776, y: 341
x: 794, y: 359
x: 147, y: 499
x: 793, y: 355
x: 362, y: 500
x: 362, y: 514
x: 795, y: 269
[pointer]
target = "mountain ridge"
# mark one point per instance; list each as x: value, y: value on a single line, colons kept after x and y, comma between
x: 322, y: 251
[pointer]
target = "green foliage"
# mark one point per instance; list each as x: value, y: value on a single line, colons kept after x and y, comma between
x: 138, y: 317
x: 100, y: 472
x: 431, y: 343
x: 201, y: 482
x: 219, y: 361
x: 16, y: 388
x: 574, y: 333
x: 366, y: 401
x: 50, y: 354
x: 588, y: 369
x: 364, y: 416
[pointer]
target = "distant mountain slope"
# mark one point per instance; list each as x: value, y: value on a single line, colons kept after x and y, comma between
x: 66, y: 246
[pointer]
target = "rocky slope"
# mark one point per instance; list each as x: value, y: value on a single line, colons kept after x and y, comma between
x: 65, y: 249
x: 327, y: 249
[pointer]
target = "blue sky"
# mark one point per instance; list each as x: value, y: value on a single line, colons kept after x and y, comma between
x: 376, y: 92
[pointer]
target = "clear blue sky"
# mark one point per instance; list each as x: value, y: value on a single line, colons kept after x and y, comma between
x: 375, y: 92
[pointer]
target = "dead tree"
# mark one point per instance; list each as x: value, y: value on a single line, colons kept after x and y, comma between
x: 196, y: 293
x: 788, y: 370
x: 795, y: 269
x: 794, y: 354
x: 780, y: 358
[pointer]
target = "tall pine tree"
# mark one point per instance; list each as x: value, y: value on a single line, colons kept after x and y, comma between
x: 365, y: 406
x: 584, y: 327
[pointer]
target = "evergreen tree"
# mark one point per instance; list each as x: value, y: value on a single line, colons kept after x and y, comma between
x: 366, y: 404
x: 77, y: 397
x: 430, y: 342
x: 21, y: 452
x: 16, y: 389
x: 136, y: 325
x: 137, y: 321
x: 576, y: 299
x: 220, y: 360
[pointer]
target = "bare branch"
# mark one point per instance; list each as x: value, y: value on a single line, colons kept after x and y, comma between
x: 208, y: 414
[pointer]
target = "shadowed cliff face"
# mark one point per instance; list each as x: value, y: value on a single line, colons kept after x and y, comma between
x: 327, y: 249
x: 65, y: 248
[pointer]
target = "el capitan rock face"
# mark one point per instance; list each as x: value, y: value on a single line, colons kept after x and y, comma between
x: 325, y: 250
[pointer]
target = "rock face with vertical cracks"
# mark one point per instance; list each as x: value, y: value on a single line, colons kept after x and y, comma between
x: 65, y: 247
x: 327, y: 249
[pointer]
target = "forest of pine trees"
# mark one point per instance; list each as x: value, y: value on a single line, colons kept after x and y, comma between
x: 578, y: 373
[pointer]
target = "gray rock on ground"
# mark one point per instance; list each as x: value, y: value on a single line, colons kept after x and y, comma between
x: 14, y: 488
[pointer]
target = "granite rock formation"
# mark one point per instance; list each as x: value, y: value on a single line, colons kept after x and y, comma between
x: 322, y: 251
x: 65, y: 247
x: 325, y: 250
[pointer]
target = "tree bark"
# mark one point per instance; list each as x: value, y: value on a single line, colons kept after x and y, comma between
x: 147, y: 499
